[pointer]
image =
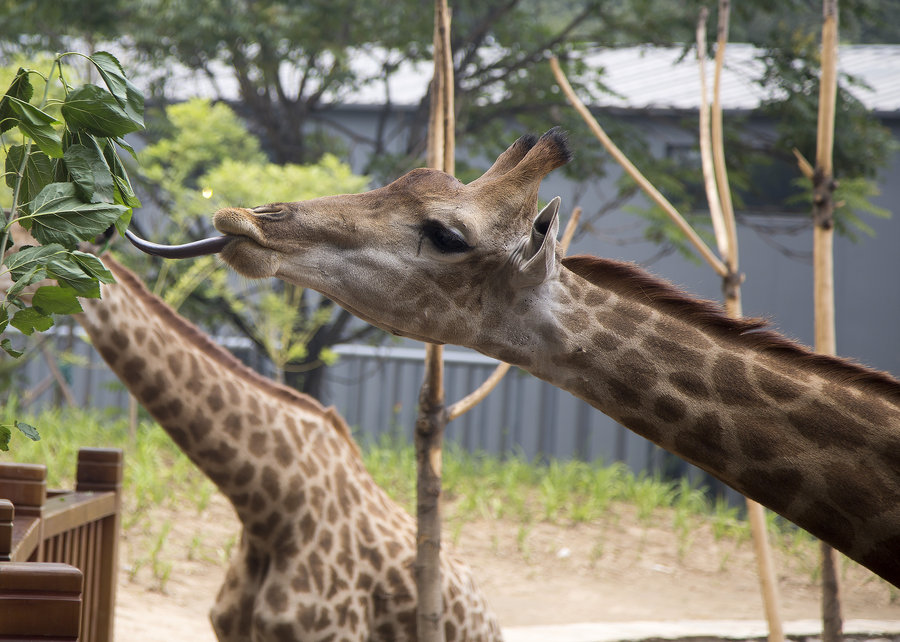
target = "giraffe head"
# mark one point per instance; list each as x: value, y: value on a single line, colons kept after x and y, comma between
x: 417, y: 256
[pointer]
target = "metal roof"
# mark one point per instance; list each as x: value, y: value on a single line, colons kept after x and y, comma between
x: 640, y: 77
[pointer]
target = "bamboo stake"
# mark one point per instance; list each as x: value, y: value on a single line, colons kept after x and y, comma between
x: 432, y: 418
x: 706, y: 153
x: 635, y: 173
x: 823, y: 272
x: 727, y: 239
x: 718, y: 140
x: 719, y: 196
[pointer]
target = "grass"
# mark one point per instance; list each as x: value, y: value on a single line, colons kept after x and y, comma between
x: 477, y: 487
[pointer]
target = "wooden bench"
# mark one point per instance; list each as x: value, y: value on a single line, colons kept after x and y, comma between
x: 59, y: 550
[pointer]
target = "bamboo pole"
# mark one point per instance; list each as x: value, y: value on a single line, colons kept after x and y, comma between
x: 432, y: 418
x: 731, y: 283
x: 635, y: 173
x: 726, y: 268
x: 823, y: 272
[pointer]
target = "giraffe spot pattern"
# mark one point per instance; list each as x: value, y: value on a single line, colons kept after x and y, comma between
x: 636, y: 370
x: 690, y: 384
x: 677, y: 355
x: 257, y: 443
x: 214, y: 399
x: 669, y: 409
x: 605, y: 341
x: 623, y: 394
x: 773, y: 487
x: 233, y: 426
x: 244, y: 474
x: 620, y: 324
x: 729, y: 375
x: 174, y: 362
x: 775, y: 386
x: 826, y: 427
x: 270, y: 483
x: 276, y: 598
x: 864, y: 499
x: 643, y: 427
x: 702, y: 441
x: 133, y: 370
x: 828, y: 524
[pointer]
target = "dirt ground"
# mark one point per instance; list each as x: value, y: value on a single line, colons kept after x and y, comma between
x: 542, y: 574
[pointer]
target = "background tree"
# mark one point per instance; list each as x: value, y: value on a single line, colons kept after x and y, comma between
x: 293, y: 64
x: 204, y: 158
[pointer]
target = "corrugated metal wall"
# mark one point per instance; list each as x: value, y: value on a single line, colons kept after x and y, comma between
x: 376, y: 390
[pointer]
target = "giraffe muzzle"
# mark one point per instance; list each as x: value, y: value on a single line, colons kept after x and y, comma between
x: 212, y: 245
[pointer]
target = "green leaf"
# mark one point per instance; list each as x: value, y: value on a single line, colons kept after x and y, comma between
x: 113, y: 75
x: 123, y: 222
x: 38, y: 126
x: 56, y: 299
x: 38, y: 173
x: 59, y: 216
x: 134, y: 106
x: 67, y: 270
x: 28, y: 430
x: 94, y: 266
x: 126, y: 195
x: 20, y: 88
x: 30, y: 319
x: 32, y: 256
x: 92, y: 176
x: 35, y: 274
x: 96, y: 111
x: 6, y: 345
x: 5, y: 434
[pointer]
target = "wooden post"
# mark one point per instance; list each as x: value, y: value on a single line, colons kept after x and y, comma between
x: 100, y: 469
x: 40, y: 601
x: 432, y: 417
x: 823, y: 272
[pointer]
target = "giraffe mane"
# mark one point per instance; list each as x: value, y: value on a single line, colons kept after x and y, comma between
x: 631, y: 281
x: 222, y: 357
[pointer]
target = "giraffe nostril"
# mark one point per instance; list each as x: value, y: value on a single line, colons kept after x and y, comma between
x: 272, y: 212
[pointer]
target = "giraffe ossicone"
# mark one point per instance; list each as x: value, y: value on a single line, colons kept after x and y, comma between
x: 816, y: 439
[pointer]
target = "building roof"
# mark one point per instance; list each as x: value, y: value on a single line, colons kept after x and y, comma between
x: 640, y: 77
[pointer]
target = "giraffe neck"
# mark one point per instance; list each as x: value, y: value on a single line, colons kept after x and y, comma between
x: 814, y: 438
x: 247, y: 434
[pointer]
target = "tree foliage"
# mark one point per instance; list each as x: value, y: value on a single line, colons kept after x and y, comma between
x: 205, y: 159
x: 66, y: 184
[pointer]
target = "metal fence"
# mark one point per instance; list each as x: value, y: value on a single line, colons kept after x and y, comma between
x: 376, y: 390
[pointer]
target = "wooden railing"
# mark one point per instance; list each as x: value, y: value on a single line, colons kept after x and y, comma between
x: 59, y: 550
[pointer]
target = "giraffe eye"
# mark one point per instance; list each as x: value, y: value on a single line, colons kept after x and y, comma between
x: 444, y: 239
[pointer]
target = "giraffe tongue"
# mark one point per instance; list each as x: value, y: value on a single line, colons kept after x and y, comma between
x: 186, y: 251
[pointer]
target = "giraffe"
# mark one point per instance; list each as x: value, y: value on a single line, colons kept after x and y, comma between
x: 814, y: 438
x: 324, y: 553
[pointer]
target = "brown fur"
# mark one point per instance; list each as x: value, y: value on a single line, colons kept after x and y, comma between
x: 630, y: 281
x: 225, y: 359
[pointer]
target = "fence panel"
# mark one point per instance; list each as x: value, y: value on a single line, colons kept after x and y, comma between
x: 50, y: 539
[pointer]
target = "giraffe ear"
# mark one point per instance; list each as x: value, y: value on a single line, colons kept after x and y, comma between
x: 537, y: 258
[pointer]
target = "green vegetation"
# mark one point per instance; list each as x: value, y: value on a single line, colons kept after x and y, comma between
x: 160, y: 480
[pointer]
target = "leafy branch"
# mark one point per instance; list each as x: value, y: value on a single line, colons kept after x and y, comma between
x: 68, y: 185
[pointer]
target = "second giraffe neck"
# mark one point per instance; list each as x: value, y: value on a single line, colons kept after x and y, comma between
x: 251, y: 436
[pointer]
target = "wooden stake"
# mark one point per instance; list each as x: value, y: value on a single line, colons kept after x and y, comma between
x: 635, y: 173
x: 718, y: 191
x: 823, y: 272
x: 432, y: 418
